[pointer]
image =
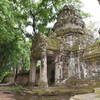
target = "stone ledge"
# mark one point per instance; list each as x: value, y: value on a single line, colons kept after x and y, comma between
x: 90, y: 96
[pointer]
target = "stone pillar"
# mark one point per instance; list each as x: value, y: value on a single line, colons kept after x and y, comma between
x: 66, y: 62
x: 32, y: 76
x: 71, y: 67
x: 79, y: 69
x: 58, y: 69
x: 43, y: 70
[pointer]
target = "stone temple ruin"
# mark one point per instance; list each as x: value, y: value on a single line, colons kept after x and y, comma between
x: 64, y: 53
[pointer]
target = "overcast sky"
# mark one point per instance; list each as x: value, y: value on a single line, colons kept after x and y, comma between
x: 93, y: 7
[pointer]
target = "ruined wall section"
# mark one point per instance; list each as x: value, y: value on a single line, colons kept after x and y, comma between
x: 92, y: 55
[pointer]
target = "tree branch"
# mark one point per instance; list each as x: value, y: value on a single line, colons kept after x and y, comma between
x: 34, y: 21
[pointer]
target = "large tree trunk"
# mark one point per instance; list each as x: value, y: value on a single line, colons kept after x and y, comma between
x: 43, y: 71
x: 32, y: 76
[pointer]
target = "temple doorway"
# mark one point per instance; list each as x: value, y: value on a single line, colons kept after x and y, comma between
x: 51, y: 71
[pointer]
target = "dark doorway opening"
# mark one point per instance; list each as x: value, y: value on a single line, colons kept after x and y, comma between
x: 51, y: 71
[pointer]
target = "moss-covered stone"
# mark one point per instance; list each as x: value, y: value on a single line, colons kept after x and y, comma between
x: 53, y: 43
x: 43, y: 85
x: 69, y: 30
x: 60, y: 91
x: 93, y: 52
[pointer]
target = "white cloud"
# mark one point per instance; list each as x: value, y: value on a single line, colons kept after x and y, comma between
x: 29, y: 29
x: 93, y: 7
x: 50, y: 25
x: 36, y: 1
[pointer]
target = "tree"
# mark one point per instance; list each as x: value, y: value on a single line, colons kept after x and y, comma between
x: 14, y: 50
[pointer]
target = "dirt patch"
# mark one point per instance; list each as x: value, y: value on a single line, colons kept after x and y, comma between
x: 5, y: 94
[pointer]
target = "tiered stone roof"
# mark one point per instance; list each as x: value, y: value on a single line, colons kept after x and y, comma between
x: 69, y: 21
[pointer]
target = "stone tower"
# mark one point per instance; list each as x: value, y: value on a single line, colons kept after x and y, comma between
x: 69, y: 28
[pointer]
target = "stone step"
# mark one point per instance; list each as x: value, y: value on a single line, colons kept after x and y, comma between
x: 97, y: 90
x: 90, y: 96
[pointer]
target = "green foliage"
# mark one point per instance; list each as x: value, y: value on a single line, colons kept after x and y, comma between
x: 14, y: 50
x: 14, y: 55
